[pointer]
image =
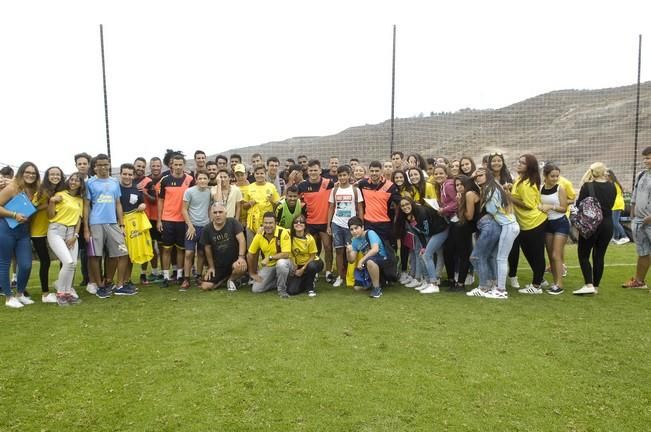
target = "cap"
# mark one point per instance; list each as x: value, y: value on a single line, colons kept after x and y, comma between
x: 239, y: 168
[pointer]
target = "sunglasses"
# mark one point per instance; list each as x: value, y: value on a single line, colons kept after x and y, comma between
x: 299, y: 222
x: 496, y: 154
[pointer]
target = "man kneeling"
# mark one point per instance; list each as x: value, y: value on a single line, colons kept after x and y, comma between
x: 375, y: 258
x: 225, y: 246
x: 275, y: 244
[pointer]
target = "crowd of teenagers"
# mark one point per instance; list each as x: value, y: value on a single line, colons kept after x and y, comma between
x: 422, y: 223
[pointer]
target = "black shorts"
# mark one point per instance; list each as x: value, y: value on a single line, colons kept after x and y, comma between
x: 315, y: 229
x: 173, y: 234
x: 153, y: 231
x: 221, y: 273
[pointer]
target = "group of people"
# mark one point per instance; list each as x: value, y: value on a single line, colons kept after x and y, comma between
x: 424, y: 223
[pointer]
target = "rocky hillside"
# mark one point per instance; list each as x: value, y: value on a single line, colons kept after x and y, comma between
x: 570, y: 127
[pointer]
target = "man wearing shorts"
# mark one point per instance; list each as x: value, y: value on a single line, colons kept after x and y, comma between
x: 225, y: 247
x: 641, y: 223
x: 380, y: 194
x: 170, y: 215
x: 275, y: 245
x: 196, y: 205
x: 104, y: 227
x: 314, y: 193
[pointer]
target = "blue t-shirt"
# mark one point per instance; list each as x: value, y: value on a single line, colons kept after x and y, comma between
x: 103, y: 195
x: 361, y: 245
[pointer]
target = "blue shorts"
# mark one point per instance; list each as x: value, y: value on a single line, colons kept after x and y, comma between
x: 340, y: 236
x: 560, y: 226
x: 190, y: 245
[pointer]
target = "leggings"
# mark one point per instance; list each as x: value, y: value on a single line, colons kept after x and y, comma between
x: 532, y: 243
x: 458, y: 246
x: 514, y: 257
x: 597, y: 244
x: 40, y: 246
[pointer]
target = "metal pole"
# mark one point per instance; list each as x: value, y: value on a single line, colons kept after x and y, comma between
x: 393, y: 88
x: 637, y: 108
x: 106, y: 116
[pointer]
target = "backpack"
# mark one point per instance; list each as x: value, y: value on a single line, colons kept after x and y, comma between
x: 390, y: 273
x: 588, y: 215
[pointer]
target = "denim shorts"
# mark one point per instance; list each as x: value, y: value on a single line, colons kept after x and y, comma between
x: 340, y: 236
x: 560, y: 226
x: 190, y: 245
x: 642, y: 237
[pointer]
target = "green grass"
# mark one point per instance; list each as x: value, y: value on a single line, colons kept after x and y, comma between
x: 218, y: 361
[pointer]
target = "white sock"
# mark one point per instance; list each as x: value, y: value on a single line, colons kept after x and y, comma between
x: 179, y: 274
x: 166, y: 274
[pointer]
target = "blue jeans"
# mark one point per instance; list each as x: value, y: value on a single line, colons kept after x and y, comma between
x: 434, y: 244
x: 15, y: 242
x: 484, y: 255
x: 415, y: 263
x: 507, y: 236
x: 618, y: 229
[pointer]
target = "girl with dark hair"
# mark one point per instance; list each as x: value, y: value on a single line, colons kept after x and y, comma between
x: 525, y: 195
x: 306, y: 263
x: 421, y: 188
x: 595, y: 184
x: 415, y: 160
x: 429, y: 231
x: 553, y: 201
x: 52, y: 183
x: 406, y: 189
x: 619, y: 235
x: 446, y: 194
x: 65, y: 210
x: 16, y: 241
x: 467, y: 166
x: 497, y: 167
x: 458, y: 246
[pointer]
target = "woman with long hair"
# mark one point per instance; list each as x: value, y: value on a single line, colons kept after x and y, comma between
x: 553, y: 201
x: 525, y: 195
x: 446, y: 194
x: 306, y: 263
x: 51, y: 184
x: 399, y: 178
x: 65, y: 210
x: 407, y: 190
x: 454, y: 168
x: 430, y: 231
x: 619, y: 235
x: 595, y: 184
x: 467, y: 166
x: 458, y: 246
x: 16, y: 241
x: 421, y: 188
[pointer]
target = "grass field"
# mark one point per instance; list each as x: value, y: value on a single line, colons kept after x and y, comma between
x: 170, y: 361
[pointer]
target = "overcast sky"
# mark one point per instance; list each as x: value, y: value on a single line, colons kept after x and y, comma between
x: 219, y: 75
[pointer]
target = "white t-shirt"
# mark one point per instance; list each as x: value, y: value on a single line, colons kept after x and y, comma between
x: 344, y: 205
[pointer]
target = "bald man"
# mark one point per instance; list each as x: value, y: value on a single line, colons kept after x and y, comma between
x: 225, y: 248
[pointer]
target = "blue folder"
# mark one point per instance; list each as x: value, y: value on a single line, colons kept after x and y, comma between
x: 19, y: 204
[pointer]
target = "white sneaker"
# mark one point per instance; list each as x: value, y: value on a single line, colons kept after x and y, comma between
x: 230, y: 285
x: 430, y: 289
x: 470, y: 279
x: 404, y: 278
x: 414, y: 283
x: 422, y: 286
x: 91, y: 288
x: 623, y: 240
x: 544, y: 284
x: 513, y: 281
x: 497, y: 294
x: 49, y: 298
x: 13, y: 302
x: 73, y: 293
x: 25, y: 300
x: 476, y: 292
x: 338, y: 282
x: 585, y: 290
x: 530, y: 289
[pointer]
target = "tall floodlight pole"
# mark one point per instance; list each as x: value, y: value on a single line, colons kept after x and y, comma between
x: 393, y: 88
x: 106, y: 116
x: 637, y: 107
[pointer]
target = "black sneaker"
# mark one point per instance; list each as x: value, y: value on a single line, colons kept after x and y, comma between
x: 376, y: 292
x: 555, y: 290
x: 103, y: 292
x: 143, y: 279
x: 165, y: 283
x: 330, y: 278
x: 457, y: 287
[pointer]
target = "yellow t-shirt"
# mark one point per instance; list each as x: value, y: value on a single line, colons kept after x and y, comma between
x: 529, y: 194
x: 430, y: 192
x: 39, y: 222
x: 570, y: 193
x: 268, y: 247
x: 302, y: 248
x: 619, y: 198
x: 260, y: 194
x: 69, y: 210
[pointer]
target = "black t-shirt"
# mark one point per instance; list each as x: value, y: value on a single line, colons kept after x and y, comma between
x: 131, y: 198
x: 605, y: 193
x: 224, y: 244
